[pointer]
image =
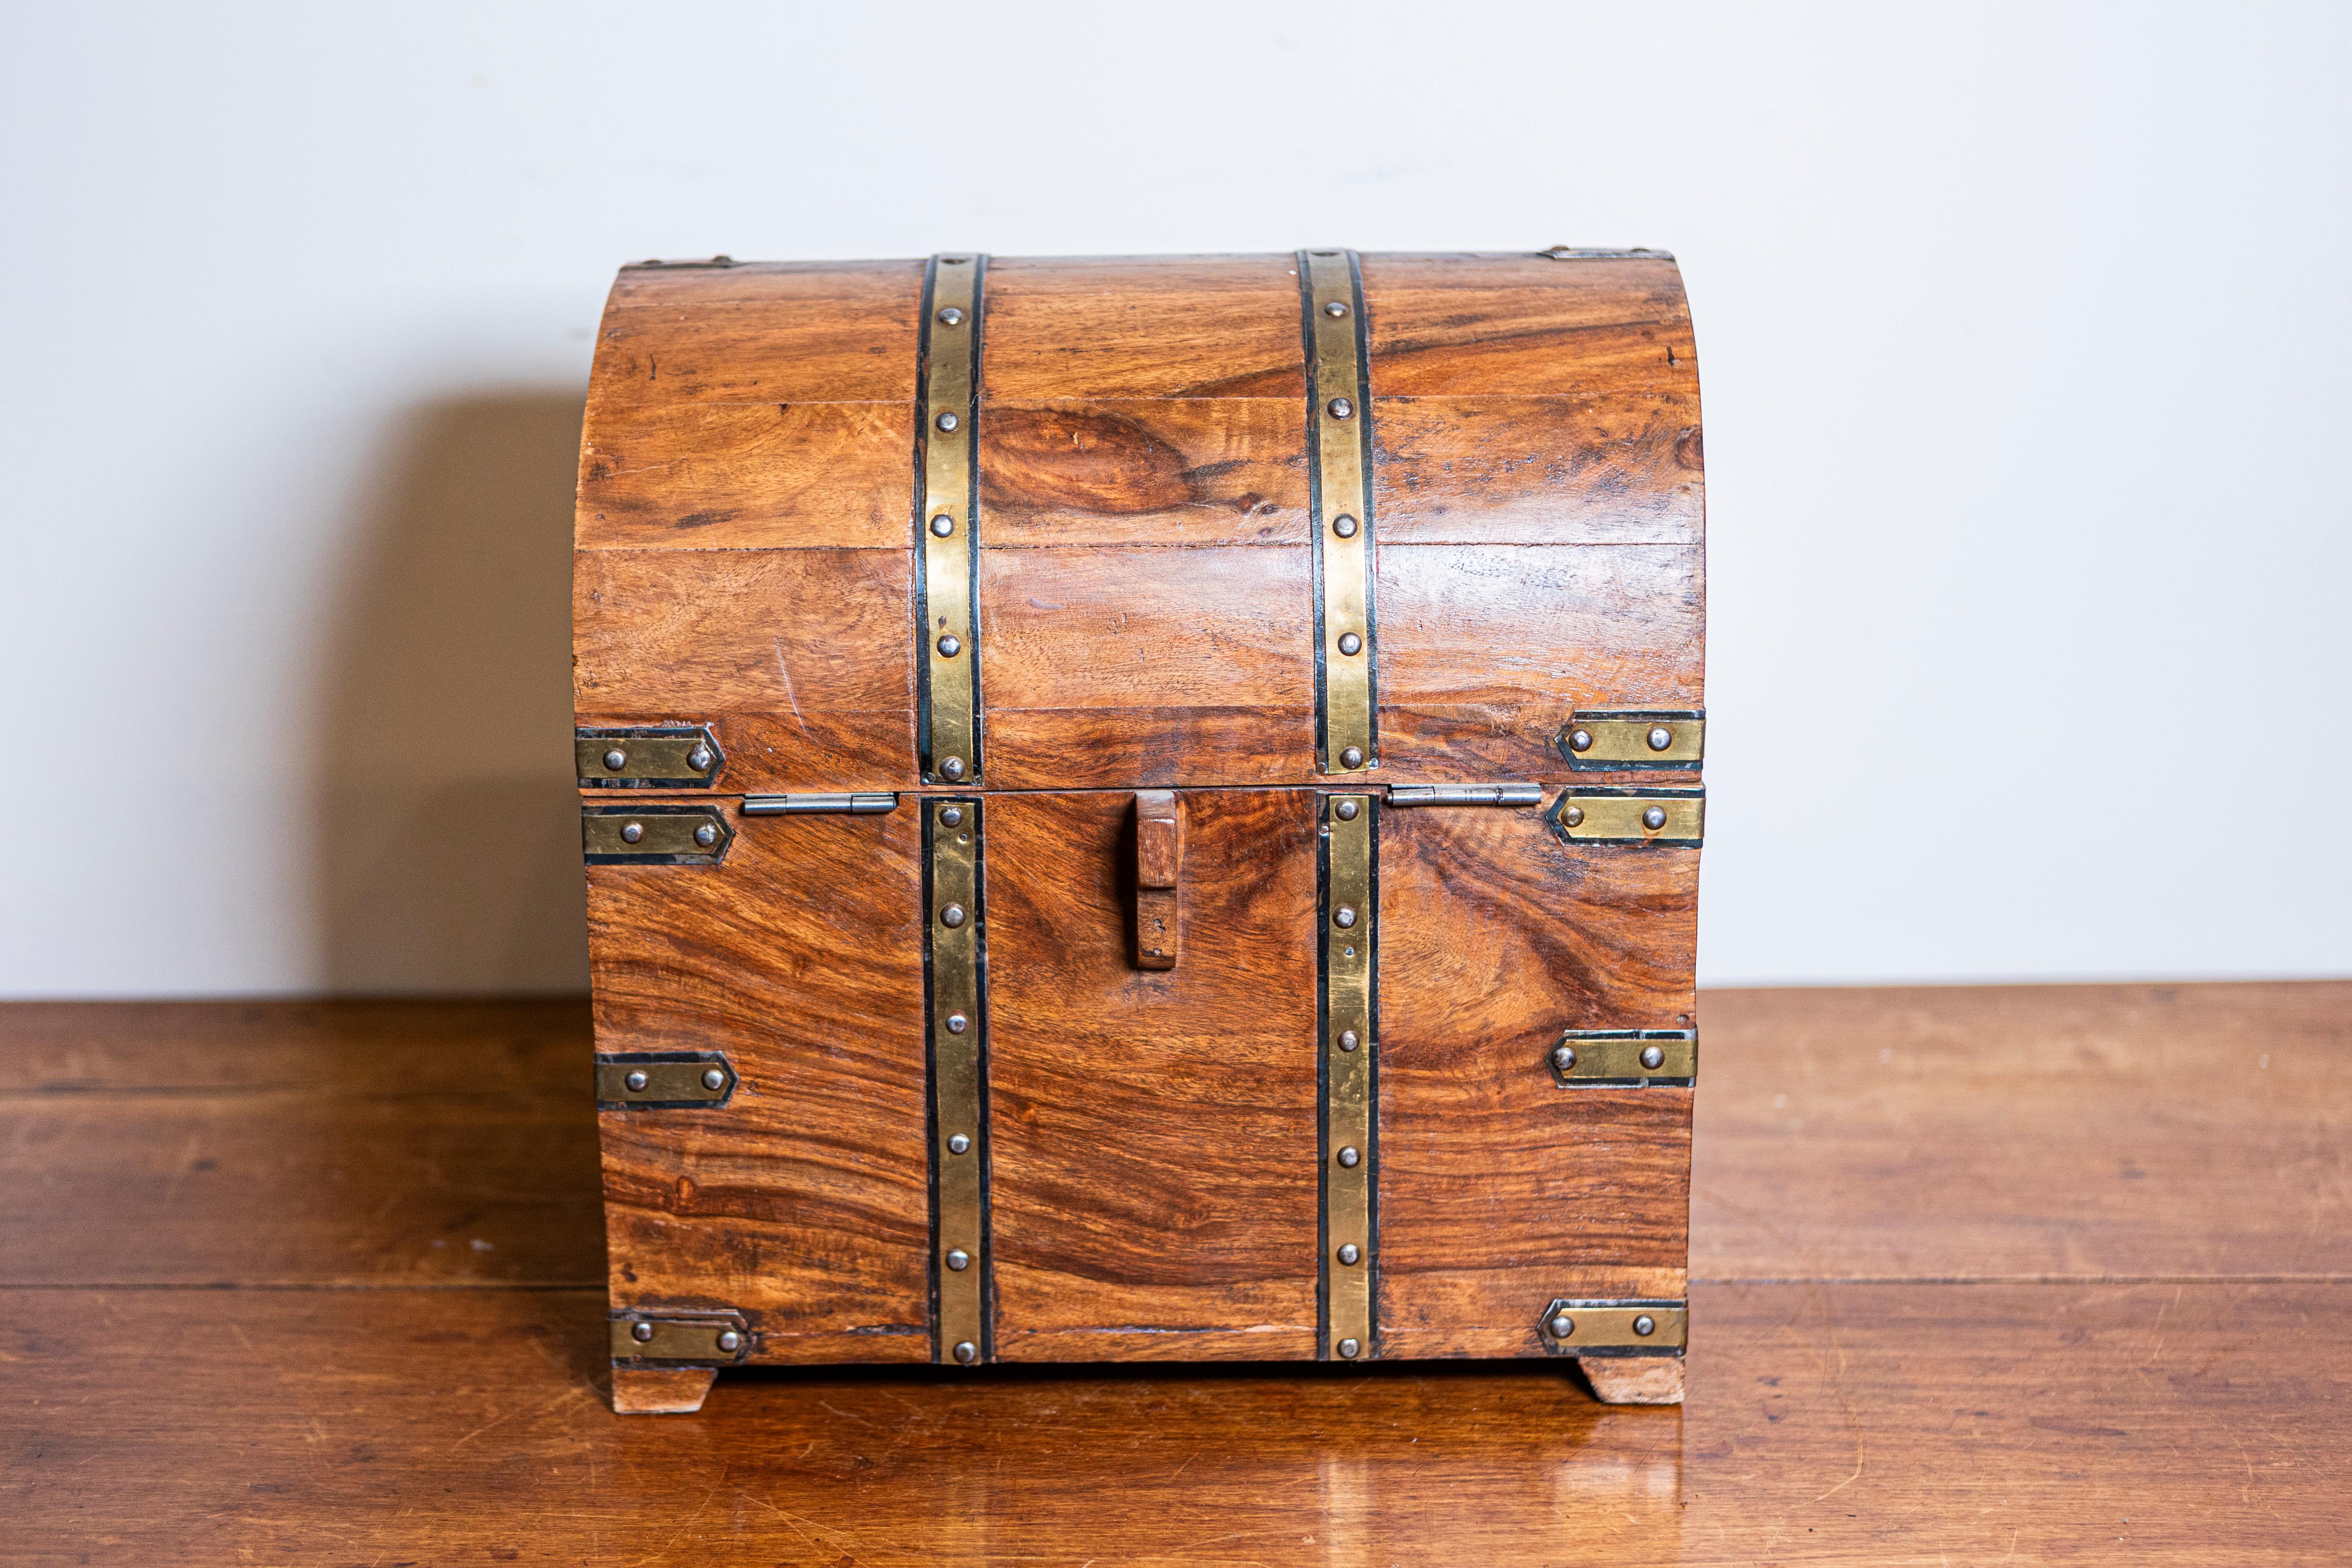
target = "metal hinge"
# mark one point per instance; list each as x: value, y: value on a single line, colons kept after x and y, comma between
x: 706, y: 1339
x: 1614, y: 741
x: 654, y: 835
x: 1636, y: 1059
x: 660, y: 756
x: 799, y: 804
x: 1465, y: 794
x: 1602, y: 253
x: 1617, y: 1327
x: 1596, y: 816
x: 664, y: 1080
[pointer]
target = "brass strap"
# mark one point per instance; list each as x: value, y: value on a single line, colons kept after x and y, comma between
x: 1350, y: 913
x: 947, y: 510
x: 1339, y: 448
x: 955, y: 954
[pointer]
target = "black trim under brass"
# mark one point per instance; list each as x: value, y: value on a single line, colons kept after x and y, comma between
x: 947, y: 497
x: 1348, y: 1074
x: 1619, y: 1059
x: 664, y: 834
x: 652, y: 756
x: 678, y: 1339
x: 955, y: 987
x: 673, y: 1080
x: 1596, y: 814
x: 1340, y: 509
x: 1615, y: 1327
x: 1621, y: 740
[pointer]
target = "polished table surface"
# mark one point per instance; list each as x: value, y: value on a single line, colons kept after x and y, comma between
x: 1998, y: 1275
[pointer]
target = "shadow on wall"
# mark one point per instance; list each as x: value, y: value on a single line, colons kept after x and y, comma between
x: 447, y: 830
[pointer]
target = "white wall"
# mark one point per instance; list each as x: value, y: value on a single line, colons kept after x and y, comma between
x: 2024, y: 332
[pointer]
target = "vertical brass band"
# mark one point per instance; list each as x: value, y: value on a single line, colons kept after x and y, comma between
x: 1349, y: 1075
x: 1338, y: 446
x: 947, y: 489
x: 956, y: 962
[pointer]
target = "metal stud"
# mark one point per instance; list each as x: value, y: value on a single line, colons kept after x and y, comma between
x: 1344, y: 918
x: 699, y: 759
x: 952, y: 916
x: 1350, y: 644
x: 944, y: 526
x: 633, y: 832
x: 1580, y: 740
x: 1645, y: 1325
x: 616, y: 760
x: 1345, y: 810
x: 1353, y: 757
x: 1341, y: 408
x: 1652, y: 1058
x: 952, y: 770
x: 713, y: 1079
x: 1563, y: 1057
x: 1349, y: 1255
x: 951, y: 646
x: 1562, y: 1326
x: 1347, y: 1040
x: 641, y: 1332
x: 1344, y: 526
x: 947, y: 421
x: 706, y: 836
x: 959, y: 1144
x: 951, y: 317
x: 1350, y: 1350
x: 959, y: 1259
x: 1348, y: 1158
x: 952, y: 816
x: 731, y: 1341
x: 1661, y: 738
x: 966, y: 1353
x: 958, y: 1023
x: 1654, y: 818
x: 636, y: 1082
x: 1573, y: 817
x: 1336, y: 310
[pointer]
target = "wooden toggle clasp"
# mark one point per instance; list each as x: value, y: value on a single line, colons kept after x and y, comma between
x: 1159, y: 867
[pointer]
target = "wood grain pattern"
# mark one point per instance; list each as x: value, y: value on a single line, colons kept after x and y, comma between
x: 1222, y: 470
x: 748, y: 476
x: 1486, y: 649
x: 1155, y: 1166
x: 804, y: 1202
x: 1493, y: 326
x: 1538, y: 470
x: 802, y: 658
x: 1168, y: 327
x: 817, y: 331
x: 1146, y: 668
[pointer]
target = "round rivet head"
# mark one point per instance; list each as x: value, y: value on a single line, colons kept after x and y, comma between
x: 952, y: 816
x: 1580, y: 740
x: 1344, y: 918
x: 958, y: 1023
x: 1652, y: 1058
x: 959, y: 1259
x: 1344, y: 526
x: 641, y: 1332
x: 1340, y: 409
x: 731, y: 1341
x: 951, y: 646
x: 952, y: 769
x: 1562, y: 1326
x: 714, y: 1078
x: 1349, y: 1040
x: 636, y: 1082
x: 616, y: 760
x: 1661, y: 738
x: 1348, y: 1158
x: 1345, y: 810
x: 1349, y: 1255
x: 706, y: 836
x: 951, y: 317
x: 947, y: 421
x: 631, y: 833
x: 966, y: 1353
x: 1336, y: 310
x: 699, y: 759
x: 1350, y: 1350
x: 959, y: 1144
x: 952, y: 916
x: 1563, y: 1057
x: 1350, y: 644
x: 1645, y: 1325
x: 944, y: 526
x: 1353, y: 757
x: 1654, y: 818
x: 1573, y: 817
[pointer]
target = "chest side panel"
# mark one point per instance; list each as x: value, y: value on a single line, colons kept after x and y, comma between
x: 1155, y: 1164
x: 803, y: 1201
x: 1500, y: 1188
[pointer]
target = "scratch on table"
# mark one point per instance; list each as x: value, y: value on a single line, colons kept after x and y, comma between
x: 783, y: 671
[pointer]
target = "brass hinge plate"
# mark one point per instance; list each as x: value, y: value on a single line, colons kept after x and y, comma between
x: 664, y: 1080
x: 1621, y: 739
x: 1350, y: 913
x: 1617, y: 1327
x: 654, y: 835
x: 713, y: 1339
x: 1596, y: 816
x: 946, y: 449
x: 662, y: 756
x: 955, y: 950
x: 1624, y: 1058
x: 1339, y: 421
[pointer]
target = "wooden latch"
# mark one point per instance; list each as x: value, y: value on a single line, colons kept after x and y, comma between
x: 1159, y: 866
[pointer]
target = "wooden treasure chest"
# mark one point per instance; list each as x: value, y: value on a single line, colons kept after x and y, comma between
x: 1143, y: 809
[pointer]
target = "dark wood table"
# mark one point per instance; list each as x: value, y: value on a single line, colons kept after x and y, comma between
x: 2016, y: 1275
